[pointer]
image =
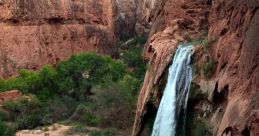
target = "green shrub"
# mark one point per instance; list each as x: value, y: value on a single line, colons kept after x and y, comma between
x: 3, y: 114
x: 87, y: 115
x: 200, y: 129
x: 45, y: 129
x: 132, y: 59
x: 77, y: 129
x: 45, y: 86
x: 5, y: 130
x: 13, y: 83
x: 56, y: 109
x: 22, y: 106
x: 98, y: 68
x: 103, y: 108
x: 82, y: 72
x: 109, y: 132
x: 40, y: 83
x: 92, y: 119
x: 29, y: 121
x: 131, y: 55
x: 96, y: 133
x: 187, y: 37
x: 26, y: 114
x: 129, y: 87
x: 70, y: 103
x: 208, y: 68
x: 106, y: 132
x: 205, y: 43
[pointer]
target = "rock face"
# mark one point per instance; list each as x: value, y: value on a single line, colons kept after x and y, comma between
x: 124, y: 12
x: 236, y: 26
x: 38, y: 32
x: 143, y: 20
x: 9, y: 96
x: 34, y: 33
x: 233, y: 28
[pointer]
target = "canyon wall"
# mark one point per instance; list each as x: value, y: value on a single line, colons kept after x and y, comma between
x: 235, y: 25
x: 231, y: 29
x: 38, y: 32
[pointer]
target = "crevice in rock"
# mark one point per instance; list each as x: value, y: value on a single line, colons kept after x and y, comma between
x: 148, y: 119
x: 220, y: 97
x: 254, y: 12
x: 13, y: 21
x: 55, y: 20
x: 215, y: 90
x: 223, y: 66
x: 227, y: 131
x: 223, y: 31
x: 209, y: 2
x: 246, y: 132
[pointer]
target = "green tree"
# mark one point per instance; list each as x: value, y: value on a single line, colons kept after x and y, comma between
x: 5, y: 130
x: 79, y: 74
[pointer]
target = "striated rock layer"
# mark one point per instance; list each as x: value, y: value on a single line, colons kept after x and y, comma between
x: 38, y: 32
x: 233, y: 89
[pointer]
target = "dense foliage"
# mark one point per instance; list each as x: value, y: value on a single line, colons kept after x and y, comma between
x: 76, y: 75
x: 89, y: 89
x: 4, y: 129
x: 130, y: 53
x: 208, y: 68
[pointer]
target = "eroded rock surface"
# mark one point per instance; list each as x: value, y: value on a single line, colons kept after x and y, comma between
x: 236, y: 26
x: 38, y: 32
x: 234, y: 88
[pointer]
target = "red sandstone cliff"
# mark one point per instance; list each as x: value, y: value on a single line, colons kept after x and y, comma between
x: 236, y: 24
x: 233, y: 90
x: 38, y: 32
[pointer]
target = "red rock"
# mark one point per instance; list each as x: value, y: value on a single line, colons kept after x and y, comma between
x: 9, y: 95
x: 236, y: 25
x: 34, y: 33
x: 233, y: 26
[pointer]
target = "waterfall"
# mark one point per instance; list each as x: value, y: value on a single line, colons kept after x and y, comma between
x: 173, y: 106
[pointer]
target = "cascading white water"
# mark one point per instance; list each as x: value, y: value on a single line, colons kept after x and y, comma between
x: 175, y: 97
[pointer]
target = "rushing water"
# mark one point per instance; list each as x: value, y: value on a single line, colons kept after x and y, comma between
x: 172, y: 109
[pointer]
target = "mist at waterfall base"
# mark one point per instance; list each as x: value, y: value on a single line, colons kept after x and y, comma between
x: 171, y: 114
